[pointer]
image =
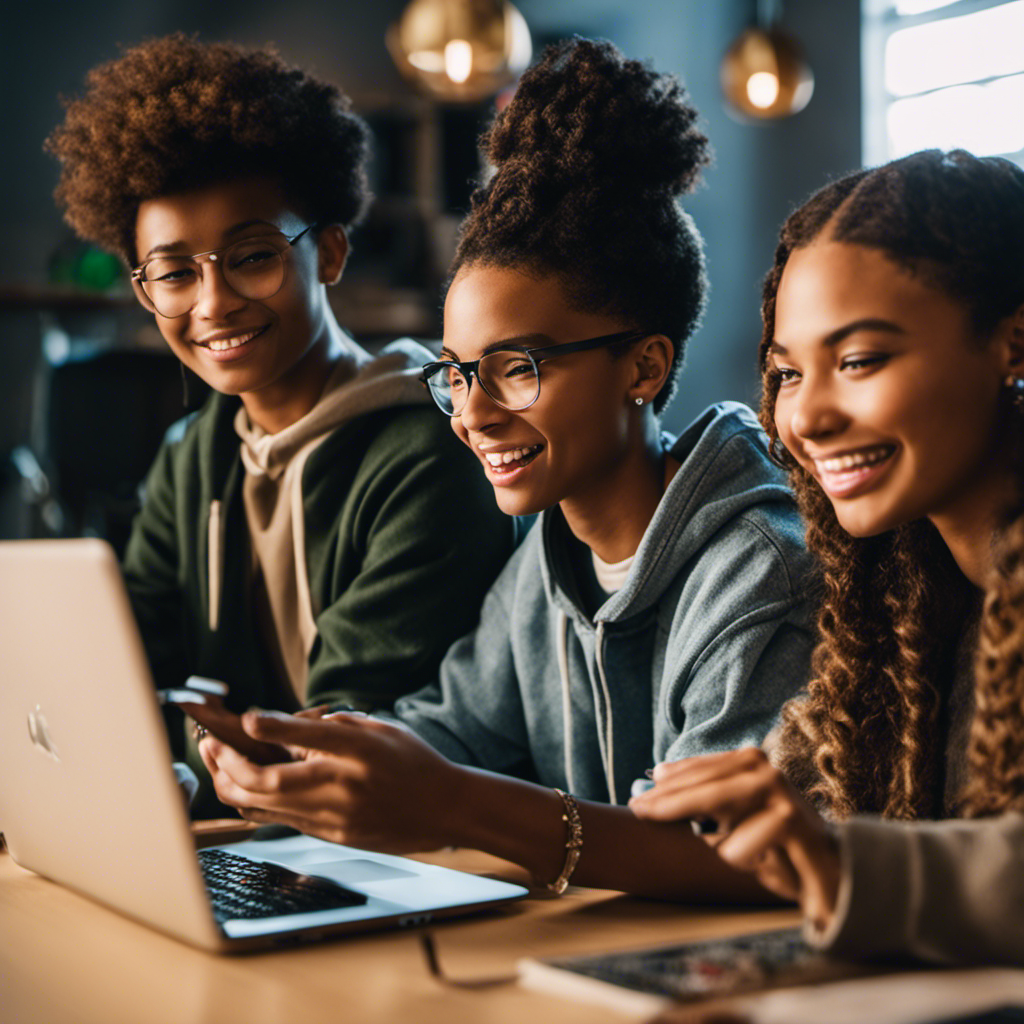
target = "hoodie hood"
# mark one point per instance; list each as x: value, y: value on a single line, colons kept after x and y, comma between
x: 724, y: 469
x: 360, y: 384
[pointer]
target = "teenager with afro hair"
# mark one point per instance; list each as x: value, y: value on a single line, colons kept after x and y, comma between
x: 298, y: 537
x: 660, y: 605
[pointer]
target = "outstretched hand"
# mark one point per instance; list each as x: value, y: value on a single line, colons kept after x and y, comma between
x: 353, y: 779
x: 764, y: 825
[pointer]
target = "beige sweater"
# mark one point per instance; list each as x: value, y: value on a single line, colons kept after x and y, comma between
x: 948, y: 891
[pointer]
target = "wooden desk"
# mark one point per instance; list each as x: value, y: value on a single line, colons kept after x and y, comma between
x: 66, y: 960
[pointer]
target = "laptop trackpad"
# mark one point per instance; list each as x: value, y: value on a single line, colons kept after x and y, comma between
x: 352, y: 870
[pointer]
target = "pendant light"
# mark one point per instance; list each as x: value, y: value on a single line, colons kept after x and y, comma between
x: 461, y: 50
x: 764, y: 74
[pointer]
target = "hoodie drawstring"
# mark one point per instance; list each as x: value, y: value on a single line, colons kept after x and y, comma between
x: 213, y: 564
x: 605, y: 730
x: 563, y: 672
x: 609, y: 731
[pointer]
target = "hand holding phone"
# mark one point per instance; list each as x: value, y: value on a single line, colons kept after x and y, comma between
x: 202, y: 700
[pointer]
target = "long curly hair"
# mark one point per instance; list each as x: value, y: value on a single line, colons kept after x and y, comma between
x: 864, y: 738
x: 173, y: 114
x: 590, y: 159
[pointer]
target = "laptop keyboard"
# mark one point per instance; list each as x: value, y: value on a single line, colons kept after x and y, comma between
x: 243, y: 888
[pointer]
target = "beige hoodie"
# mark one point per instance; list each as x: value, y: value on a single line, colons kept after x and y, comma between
x: 272, y: 490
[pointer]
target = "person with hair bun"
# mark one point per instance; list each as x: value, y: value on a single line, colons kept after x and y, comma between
x: 297, y: 538
x: 893, y: 362
x: 660, y: 606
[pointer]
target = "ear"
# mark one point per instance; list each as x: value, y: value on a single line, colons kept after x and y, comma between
x: 652, y: 363
x: 332, y: 252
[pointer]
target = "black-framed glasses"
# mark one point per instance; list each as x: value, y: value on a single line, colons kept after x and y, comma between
x: 252, y: 267
x: 509, y: 376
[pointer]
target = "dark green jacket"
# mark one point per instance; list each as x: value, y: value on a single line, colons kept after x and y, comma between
x: 403, y: 538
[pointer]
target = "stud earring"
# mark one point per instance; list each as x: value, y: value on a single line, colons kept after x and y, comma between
x: 638, y: 400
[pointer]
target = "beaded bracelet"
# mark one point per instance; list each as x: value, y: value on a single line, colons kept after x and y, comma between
x: 573, y: 844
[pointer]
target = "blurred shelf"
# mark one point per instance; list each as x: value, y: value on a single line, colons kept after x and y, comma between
x: 372, y: 310
x: 363, y: 307
x: 32, y: 297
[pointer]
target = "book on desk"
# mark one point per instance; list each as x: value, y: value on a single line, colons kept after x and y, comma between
x: 646, y: 981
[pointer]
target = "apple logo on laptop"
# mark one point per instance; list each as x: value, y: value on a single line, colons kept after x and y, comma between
x: 39, y: 731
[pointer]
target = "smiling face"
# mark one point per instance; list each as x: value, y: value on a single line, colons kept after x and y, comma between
x: 573, y: 442
x: 270, y: 351
x: 887, y: 397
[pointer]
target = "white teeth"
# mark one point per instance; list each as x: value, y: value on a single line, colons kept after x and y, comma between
x: 223, y: 344
x: 842, y: 463
x: 504, y: 458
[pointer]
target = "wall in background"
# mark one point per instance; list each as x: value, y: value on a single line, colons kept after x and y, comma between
x: 761, y: 171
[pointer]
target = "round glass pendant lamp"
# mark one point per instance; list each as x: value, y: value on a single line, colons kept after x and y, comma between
x: 461, y: 50
x: 764, y: 74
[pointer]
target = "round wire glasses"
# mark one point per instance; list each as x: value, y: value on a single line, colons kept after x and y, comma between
x: 252, y: 267
x: 509, y: 375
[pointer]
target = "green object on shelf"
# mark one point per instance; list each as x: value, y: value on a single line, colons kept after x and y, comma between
x: 82, y: 266
x: 97, y: 270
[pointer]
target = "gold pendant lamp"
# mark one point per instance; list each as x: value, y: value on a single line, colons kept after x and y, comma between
x: 764, y: 74
x: 460, y: 50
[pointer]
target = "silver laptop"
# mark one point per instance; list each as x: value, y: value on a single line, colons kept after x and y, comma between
x: 88, y: 797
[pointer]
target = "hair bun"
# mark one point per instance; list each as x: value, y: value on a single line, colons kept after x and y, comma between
x: 595, y: 149
x: 586, y: 116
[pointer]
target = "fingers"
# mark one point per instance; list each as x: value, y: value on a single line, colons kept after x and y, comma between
x: 214, y: 755
x: 310, y: 799
x: 679, y: 777
x: 692, y: 770
x: 790, y: 854
x: 817, y: 861
x: 758, y: 845
x: 769, y: 829
x: 712, y: 792
x: 745, y: 846
x: 300, y: 808
x: 315, y: 712
x: 286, y: 778
x: 336, y: 734
x: 209, y: 748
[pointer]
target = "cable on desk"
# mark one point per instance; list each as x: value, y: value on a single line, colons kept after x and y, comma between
x: 437, y: 971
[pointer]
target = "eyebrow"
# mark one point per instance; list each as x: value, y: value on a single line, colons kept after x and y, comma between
x: 518, y: 343
x: 842, y: 333
x: 233, y: 230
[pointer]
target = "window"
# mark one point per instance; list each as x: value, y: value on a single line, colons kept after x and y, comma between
x: 943, y: 74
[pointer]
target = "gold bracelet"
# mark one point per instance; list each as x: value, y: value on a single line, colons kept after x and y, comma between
x: 573, y: 844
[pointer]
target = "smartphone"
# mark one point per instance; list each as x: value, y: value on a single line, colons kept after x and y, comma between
x: 202, y: 700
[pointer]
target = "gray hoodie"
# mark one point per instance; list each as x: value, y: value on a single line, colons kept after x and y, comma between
x: 709, y: 635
